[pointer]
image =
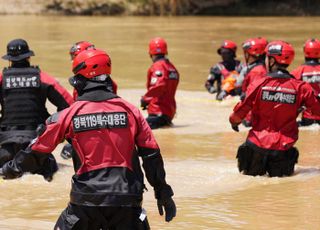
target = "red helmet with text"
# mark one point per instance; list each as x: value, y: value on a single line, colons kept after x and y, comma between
x: 281, y: 51
x: 228, y: 44
x: 158, y: 46
x: 92, y: 63
x: 254, y: 46
x: 311, y: 48
x: 79, y: 47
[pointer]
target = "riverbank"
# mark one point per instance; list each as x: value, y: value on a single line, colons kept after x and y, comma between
x: 162, y: 7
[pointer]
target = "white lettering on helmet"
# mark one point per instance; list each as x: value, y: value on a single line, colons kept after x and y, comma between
x: 275, y: 49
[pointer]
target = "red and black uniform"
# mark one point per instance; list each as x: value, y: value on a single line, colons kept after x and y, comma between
x: 254, y: 72
x: 274, y: 102
x: 112, y: 86
x: 162, y: 83
x: 309, y: 72
x: 24, y: 92
x: 108, y: 135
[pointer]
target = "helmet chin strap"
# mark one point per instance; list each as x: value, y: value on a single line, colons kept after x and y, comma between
x: 270, y: 66
x: 246, y: 57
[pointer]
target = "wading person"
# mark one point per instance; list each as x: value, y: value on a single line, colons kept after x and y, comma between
x: 24, y: 91
x: 275, y: 102
x: 222, y: 70
x: 254, y: 55
x: 162, y: 83
x: 75, y: 49
x: 310, y: 73
x: 108, y: 135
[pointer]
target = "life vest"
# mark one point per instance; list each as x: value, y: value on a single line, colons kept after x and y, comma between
x: 229, y: 83
x: 22, y: 101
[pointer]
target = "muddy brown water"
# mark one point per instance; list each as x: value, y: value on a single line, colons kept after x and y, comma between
x: 199, y: 151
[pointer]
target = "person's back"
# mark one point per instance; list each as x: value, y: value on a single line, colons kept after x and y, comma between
x: 108, y: 135
x: 254, y: 52
x: 310, y: 72
x: 162, y: 83
x: 275, y: 102
x: 75, y: 50
x: 108, y: 160
x: 254, y: 55
x: 163, y: 98
x: 23, y: 94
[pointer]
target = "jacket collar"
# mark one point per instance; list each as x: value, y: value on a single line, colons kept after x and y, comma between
x: 96, y: 91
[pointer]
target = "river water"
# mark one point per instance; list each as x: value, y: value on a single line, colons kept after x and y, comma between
x: 199, y: 151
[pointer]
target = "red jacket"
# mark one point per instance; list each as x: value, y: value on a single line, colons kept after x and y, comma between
x: 108, y: 134
x: 162, y: 83
x: 275, y: 102
x: 255, y: 72
x: 310, y: 73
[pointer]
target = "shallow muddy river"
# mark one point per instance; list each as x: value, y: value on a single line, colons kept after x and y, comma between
x: 199, y: 150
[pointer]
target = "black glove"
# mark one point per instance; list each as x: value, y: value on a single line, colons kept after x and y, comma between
x: 235, y: 127
x: 169, y: 208
x: 222, y: 95
x: 164, y: 200
x: 209, y: 86
x: 143, y: 104
x: 10, y: 171
x: 48, y: 167
x: 66, y: 152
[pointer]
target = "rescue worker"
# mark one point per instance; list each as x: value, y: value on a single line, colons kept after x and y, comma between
x: 254, y: 55
x: 310, y: 72
x: 220, y: 71
x: 274, y: 101
x: 109, y: 135
x: 24, y: 91
x: 162, y: 83
x: 75, y: 49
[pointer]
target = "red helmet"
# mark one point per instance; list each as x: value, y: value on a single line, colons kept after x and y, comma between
x: 263, y: 41
x: 92, y: 63
x: 227, y: 44
x: 254, y: 46
x: 158, y: 46
x: 282, y: 52
x: 79, y: 47
x: 311, y: 48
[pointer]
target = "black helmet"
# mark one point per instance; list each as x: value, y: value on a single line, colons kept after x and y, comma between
x: 17, y: 50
